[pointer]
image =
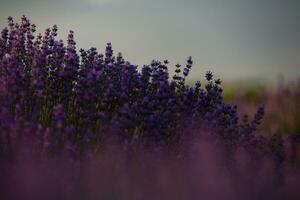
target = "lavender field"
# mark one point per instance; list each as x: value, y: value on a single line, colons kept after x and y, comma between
x: 83, y: 124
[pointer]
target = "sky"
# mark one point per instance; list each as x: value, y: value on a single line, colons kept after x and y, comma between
x: 235, y: 39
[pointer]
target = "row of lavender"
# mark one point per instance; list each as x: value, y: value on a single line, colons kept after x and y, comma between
x: 51, y: 95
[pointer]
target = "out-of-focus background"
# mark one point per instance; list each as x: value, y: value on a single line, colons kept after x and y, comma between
x: 282, y: 105
x: 252, y: 45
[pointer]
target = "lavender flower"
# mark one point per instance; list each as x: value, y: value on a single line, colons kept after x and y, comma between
x: 88, y: 92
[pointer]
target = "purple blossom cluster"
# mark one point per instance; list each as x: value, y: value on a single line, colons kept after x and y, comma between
x: 94, y: 116
x: 54, y: 94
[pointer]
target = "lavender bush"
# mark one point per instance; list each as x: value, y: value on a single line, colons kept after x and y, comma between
x: 49, y: 85
x: 55, y: 100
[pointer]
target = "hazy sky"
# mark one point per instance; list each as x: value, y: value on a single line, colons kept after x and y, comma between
x: 236, y: 39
